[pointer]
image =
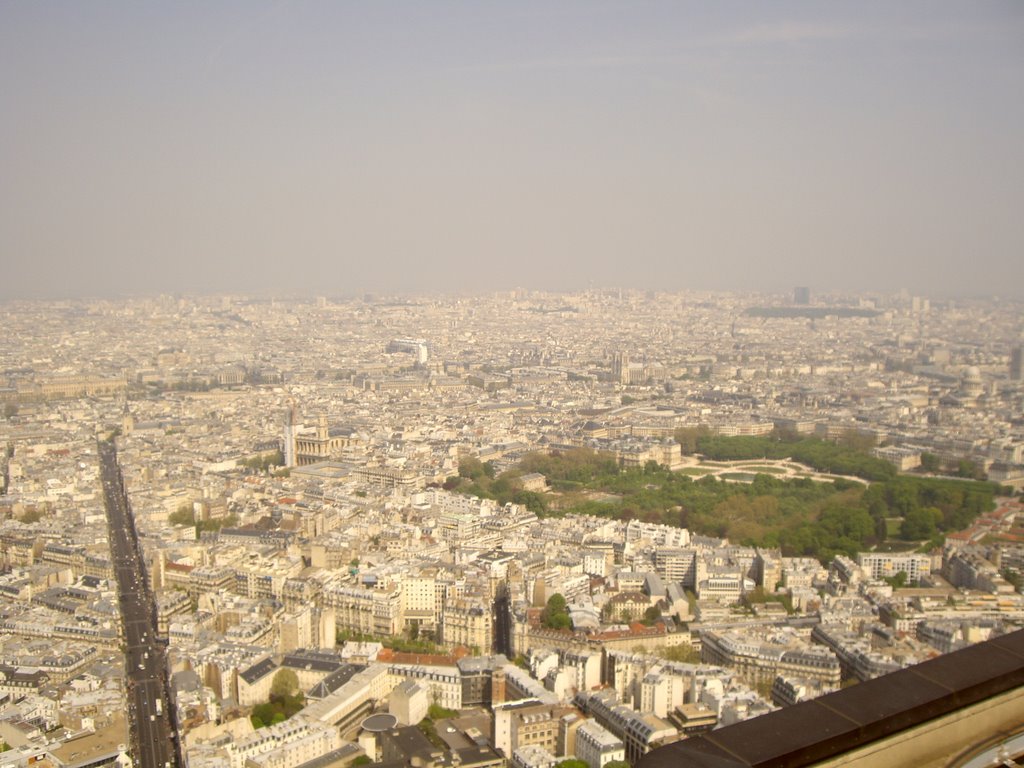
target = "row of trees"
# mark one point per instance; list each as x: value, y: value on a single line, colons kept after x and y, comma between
x: 400, y: 643
x: 964, y: 467
x: 264, y: 461
x: 478, y: 478
x: 184, y: 515
x: 847, y: 457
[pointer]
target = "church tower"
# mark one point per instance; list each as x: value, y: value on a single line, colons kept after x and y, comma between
x: 291, y: 427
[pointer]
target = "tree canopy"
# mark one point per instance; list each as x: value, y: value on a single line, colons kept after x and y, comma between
x: 799, y: 515
x: 555, y: 614
x: 284, y: 683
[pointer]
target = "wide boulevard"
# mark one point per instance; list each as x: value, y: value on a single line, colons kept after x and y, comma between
x: 153, y: 738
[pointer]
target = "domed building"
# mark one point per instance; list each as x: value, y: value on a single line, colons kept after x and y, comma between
x: 971, y: 388
x: 971, y: 385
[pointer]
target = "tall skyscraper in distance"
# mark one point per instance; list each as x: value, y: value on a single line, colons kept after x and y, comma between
x: 802, y: 295
x: 1017, y: 363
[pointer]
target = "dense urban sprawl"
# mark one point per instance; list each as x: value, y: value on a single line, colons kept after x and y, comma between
x: 496, y: 531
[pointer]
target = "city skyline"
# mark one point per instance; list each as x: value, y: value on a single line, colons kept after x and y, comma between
x: 581, y: 526
x: 337, y: 149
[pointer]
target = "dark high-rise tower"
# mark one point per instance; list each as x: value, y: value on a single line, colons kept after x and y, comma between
x: 1017, y: 363
x: 802, y: 295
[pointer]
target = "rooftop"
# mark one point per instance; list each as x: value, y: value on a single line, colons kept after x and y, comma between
x: 832, y: 725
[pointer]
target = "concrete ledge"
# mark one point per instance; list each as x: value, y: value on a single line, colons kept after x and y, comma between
x: 921, y: 715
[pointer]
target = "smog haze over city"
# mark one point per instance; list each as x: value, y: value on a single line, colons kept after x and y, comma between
x: 338, y: 148
x: 540, y: 384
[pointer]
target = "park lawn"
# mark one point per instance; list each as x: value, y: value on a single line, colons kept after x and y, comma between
x: 761, y: 468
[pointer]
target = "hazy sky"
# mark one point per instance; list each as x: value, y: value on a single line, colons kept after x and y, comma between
x: 342, y: 147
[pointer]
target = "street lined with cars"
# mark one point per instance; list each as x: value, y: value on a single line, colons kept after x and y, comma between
x: 153, y: 736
